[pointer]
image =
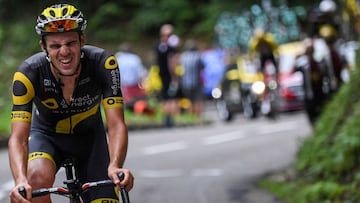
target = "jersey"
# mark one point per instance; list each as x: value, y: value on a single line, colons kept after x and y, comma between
x: 34, y: 83
x: 265, y: 44
x: 192, y: 64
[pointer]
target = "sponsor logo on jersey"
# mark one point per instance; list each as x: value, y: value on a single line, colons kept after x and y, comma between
x: 23, y: 116
x: 112, y: 102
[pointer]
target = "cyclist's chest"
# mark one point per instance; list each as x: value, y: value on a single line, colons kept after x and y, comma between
x: 68, y: 96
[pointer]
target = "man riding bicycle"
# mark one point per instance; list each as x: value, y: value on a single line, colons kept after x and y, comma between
x: 264, y: 45
x: 67, y: 83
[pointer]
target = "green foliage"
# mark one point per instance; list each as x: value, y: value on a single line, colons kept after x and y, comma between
x: 283, y: 189
x: 328, y: 162
x: 335, y: 139
x: 105, y: 25
x: 16, y: 42
x: 5, y: 112
x: 324, y: 192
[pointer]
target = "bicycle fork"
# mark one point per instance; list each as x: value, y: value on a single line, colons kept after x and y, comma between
x: 72, y: 182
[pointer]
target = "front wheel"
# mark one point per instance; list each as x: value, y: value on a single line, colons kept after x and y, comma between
x: 249, y: 107
x: 223, y: 111
x: 269, y: 106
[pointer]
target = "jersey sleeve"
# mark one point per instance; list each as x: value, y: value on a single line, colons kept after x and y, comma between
x: 111, y: 85
x: 23, y: 92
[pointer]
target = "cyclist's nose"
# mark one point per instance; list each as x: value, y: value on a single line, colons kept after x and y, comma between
x: 64, y: 50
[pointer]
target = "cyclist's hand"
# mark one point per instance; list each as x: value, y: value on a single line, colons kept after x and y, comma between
x: 127, y: 182
x: 16, y: 197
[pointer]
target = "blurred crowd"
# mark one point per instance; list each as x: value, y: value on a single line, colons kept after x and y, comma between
x: 180, y: 78
x: 184, y: 73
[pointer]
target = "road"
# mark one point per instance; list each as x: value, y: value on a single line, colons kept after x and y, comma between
x: 220, y: 162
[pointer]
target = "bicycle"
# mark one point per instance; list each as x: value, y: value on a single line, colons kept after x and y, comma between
x: 74, y: 189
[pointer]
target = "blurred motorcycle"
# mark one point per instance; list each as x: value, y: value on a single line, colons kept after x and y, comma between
x: 240, y: 89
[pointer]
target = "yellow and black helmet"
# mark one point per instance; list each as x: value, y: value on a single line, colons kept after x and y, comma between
x: 60, y: 18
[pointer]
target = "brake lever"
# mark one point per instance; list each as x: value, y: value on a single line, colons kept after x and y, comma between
x: 123, y: 191
x: 22, y: 191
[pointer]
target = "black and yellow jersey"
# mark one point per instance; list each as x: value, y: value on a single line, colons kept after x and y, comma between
x: 34, y: 83
x: 263, y: 44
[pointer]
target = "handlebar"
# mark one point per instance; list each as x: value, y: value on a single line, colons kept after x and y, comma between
x: 65, y: 191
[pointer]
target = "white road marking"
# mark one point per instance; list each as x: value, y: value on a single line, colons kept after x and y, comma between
x: 161, y: 173
x: 171, y: 173
x: 226, y: 137
x: 156, y: 149
x: 213, y: 172
x: 276, y: 128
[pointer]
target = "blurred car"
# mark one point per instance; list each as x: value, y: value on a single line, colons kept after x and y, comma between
x: 291, y: 82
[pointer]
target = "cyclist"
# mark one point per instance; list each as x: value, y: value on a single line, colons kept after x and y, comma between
x: 67, y: 83
x: 263, y: 44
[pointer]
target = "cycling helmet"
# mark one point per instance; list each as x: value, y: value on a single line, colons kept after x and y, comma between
x: 327, y: 6
x: 60, y: 18
x: 259, y: 33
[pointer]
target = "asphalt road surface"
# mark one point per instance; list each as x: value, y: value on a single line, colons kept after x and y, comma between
x: 215, y: 163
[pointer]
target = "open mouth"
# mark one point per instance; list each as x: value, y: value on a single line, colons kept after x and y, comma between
x: 65, y: 61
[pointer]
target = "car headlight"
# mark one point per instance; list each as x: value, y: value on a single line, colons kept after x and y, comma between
x: 258, y: 87
x: 216, y: 93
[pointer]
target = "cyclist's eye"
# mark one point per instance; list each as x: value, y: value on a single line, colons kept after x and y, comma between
x: 54, y: 46
x: 72, y: 43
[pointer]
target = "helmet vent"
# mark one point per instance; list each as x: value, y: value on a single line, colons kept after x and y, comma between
x: 65, y: 11
x: 52, y: 13
x: 43, y: 17
x: 76, y: 13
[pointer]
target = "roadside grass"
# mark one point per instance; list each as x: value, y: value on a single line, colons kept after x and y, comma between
x: 5, y: 114
x: 156, y: 120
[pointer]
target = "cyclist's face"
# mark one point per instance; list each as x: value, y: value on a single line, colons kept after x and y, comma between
x: 64, y: 50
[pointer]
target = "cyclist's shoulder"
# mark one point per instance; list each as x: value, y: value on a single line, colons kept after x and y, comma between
x: 94, y: 52
x: 34, y: 62
x: 95, y: 56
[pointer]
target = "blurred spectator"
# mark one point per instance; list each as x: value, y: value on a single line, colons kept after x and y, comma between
x: 191, y: 80
x: 214, y: 67
x: 334, y: 63
x: 168, y: 60
x: 132, y: 73
x: 325, y: 13
x: 314, y: 97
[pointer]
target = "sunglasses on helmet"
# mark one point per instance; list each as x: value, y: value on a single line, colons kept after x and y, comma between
x: 61, y: 25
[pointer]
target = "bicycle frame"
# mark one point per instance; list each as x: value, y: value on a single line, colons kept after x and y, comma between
x: 74, y: 189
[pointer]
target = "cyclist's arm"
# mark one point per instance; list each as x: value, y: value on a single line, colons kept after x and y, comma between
x: 18, y: 156
x: 114, y: 114
x: 118, y: 137
x: 118, y: 143
x: 22, y: 97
